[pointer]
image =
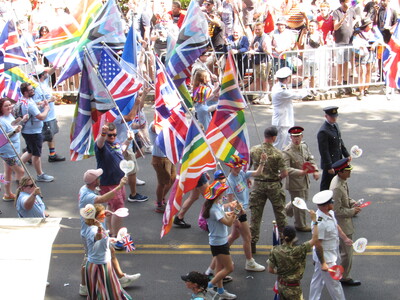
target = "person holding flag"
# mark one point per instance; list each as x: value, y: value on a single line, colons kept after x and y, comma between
x: 288, y: 261
x: 218, y: 222
x: 238, y: 189
x: 7, y: 153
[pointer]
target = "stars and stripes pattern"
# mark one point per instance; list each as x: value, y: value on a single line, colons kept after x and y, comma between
x: 170, y: 120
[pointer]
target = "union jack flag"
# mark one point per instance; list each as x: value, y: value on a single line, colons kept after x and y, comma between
x: 128, y: 243
x: 11, y: 52
x: 391, y: 59
x: 170, y: 120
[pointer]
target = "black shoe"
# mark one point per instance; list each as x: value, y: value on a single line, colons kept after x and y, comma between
x: 55, y: 158
x: 227, y: 279
x: 350, y: 282
x: 340, y: 92
x: 181, y: 223
x: 253, y: 248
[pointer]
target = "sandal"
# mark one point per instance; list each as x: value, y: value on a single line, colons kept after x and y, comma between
x: 10, y: 197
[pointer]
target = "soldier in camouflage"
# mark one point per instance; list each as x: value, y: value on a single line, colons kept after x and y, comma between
x: 288, y: 261
x: 268, y: 185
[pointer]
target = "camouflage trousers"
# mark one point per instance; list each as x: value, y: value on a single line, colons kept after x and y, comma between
x: 290, y: 292
x: 258, y: 197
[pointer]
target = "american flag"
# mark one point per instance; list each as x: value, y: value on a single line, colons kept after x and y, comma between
x: 121, y: 85
x: 128, y: 243
x: 391, y: 59
x: 170, y: 120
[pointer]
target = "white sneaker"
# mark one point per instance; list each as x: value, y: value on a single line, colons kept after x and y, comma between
x: 126, y: 280
x: 140, y: 182
x: 251, y: 265
x: 83, y: 290
x: 227, y: 295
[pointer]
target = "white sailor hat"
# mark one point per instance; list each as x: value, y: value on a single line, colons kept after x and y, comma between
x: 283, y: 72
x: 322, y: 197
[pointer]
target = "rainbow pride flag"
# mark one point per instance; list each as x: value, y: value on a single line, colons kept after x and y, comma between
x: 196, y: 159
x: 227, y: 132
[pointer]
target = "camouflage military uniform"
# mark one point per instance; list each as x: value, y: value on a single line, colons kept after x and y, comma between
x: 267, y: 186
x: 290, y: 263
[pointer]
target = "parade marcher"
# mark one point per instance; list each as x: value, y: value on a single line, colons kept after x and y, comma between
x: 50, y: 126
x: 239, y: 190
x: 12, y: 164
x: 330, y: 145
x: 345, y: 209
x: 32, y: 130
x: 101, y: 279
x: 203, y: 93
x: 88, y: 195
x: 298, y: 182
x: 268, y: 185
x: 288, y: 261
x: 218, y: 222
x: 177, y: 14
x: 28, y: 202
x: 109, y: 153
x: 326, y: 250
x: 282, y: 106
x: 129, y: 154
x: 165, y: 172
x: 197, y: 283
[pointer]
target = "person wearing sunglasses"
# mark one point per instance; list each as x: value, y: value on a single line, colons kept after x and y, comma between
x: 29, y: 204
x: 109, y: 153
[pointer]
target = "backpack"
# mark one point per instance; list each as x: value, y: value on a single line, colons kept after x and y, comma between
x: 18, y: 113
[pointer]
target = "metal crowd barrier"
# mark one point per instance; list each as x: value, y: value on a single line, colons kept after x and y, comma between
x: 316, y: 69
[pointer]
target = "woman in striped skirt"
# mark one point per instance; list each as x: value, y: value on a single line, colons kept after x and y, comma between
x: 101, y: 280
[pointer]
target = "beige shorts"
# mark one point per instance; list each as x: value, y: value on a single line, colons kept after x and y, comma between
x: 130, y: 155
x: 165, y: 170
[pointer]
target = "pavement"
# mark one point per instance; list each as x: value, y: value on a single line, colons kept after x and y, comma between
x: 372, y: 124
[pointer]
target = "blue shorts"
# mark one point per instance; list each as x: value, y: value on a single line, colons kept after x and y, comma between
x: 33, y: 143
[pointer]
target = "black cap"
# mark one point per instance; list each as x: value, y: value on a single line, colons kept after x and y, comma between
x: 342, y: 164
x: 331, y: 111
x: 196, y: 277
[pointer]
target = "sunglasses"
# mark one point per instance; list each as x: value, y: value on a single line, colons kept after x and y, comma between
x: 112, y: 135
x: 30, y: 185
x: 102, y: 215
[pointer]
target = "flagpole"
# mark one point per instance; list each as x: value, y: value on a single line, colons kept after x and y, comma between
x: 16, y: 153
x: 111, y: 97
x: 247, y: 101
x: 130, y: 67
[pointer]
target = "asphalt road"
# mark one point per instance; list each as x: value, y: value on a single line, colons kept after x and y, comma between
x: 372, y: 124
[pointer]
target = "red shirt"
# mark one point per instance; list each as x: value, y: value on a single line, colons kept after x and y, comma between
x: 180, y: 18
x: 325, y: 25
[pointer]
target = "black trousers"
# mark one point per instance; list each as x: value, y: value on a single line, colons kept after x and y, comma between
x: 326, y: 180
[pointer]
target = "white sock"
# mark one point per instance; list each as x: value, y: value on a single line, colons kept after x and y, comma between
x: 209, y: 271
